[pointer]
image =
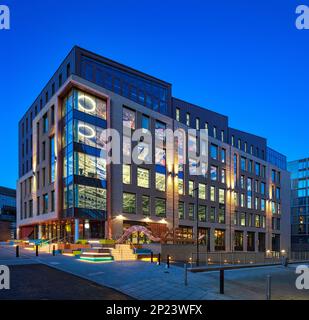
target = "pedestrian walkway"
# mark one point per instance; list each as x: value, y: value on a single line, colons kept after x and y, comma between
x: 143, y: 280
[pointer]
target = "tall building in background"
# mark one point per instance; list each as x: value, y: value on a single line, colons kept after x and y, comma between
x: 7, y: 214
x: 299, y: 170
x: 66, y: 190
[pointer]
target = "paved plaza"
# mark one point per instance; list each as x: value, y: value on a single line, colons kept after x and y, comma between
x: 143, y: 280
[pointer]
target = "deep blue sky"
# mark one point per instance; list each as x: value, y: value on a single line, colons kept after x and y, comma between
x: 244, y: 59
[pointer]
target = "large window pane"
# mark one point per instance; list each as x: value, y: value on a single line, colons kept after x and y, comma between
x: 89, y: 166
x: 129, y: 203
x: 90, y: 197
x: 91, y: 105
x: 142, y: 178
x: 160, y: 207
x: 160, y: 181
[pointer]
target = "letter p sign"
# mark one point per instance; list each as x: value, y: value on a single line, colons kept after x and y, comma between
x: 4, y: 17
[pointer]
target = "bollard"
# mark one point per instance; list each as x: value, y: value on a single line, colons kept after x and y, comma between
x: 221, y: 281
x: 36, y: 250
x: 159, y: 259
x: 186, y: 274
x: 268, y: 287
x: 54, y: 251
x: 168, y: 260
x: 17, y: 251
x: 151, y: 257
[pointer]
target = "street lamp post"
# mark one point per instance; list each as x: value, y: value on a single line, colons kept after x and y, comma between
x: 197, y: 226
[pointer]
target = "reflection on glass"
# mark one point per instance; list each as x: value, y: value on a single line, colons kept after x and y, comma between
x: 90, y: 197
x: 90, y: 166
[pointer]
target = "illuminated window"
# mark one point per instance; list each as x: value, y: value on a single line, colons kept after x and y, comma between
x: 177, y: 114
x: 235, y: 198
x: 126, y: 174
x: 191, y: 187
x: 89, y: 197
x: 160, y: 181
x: 89, y: 166
x: 242, y: 182
x: 242, y: 200
x: 219, y: 240
x: 243, y: 219
x: 91, y: 105
x: 221, y: 196
x: 129, y: 203
x: 142, y: 178
x: 202, y: 191
x: 146, y: 205
x: 160, y: 207
x: 202, y: 213
x: 180, y: 186
x: 223, y: 175
x: 221, y: 214
x: 197, y: 124
x: 188, y: 119
x: 191, y: 211
x: 249, y: 193
x: 263, y: 222
x: 212, y: 215
x: 222, y: 135
x: 273, y: 207
x: 212, y: 193
x: 257, y: 221
x: 52, y: 158
x: 89, y: 134
x: 238, y: 241
x: 181, y: 210
x: 215, y: 132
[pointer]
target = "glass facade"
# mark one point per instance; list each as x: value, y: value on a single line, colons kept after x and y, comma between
x: 299, y: 203
x: 84, y: 161
x: 146, y: 92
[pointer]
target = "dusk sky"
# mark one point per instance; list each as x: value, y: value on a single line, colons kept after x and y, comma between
x: 244, y: 59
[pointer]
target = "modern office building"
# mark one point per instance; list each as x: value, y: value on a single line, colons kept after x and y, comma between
x: 7, y: 214
x: 68, y: 190
x: 299, y: 170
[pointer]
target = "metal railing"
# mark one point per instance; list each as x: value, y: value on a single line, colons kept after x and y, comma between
x: 234, y: 258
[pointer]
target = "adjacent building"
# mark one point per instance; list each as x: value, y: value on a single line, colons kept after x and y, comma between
x: 299, y: 170
x: 68, y: 190
x: 7, y: 214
